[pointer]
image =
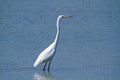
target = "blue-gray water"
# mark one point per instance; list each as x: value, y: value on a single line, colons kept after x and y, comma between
x: 88, y: 47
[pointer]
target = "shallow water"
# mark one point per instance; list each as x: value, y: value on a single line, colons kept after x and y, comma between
x: 88, y: 47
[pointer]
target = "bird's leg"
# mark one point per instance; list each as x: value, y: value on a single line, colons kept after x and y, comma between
x: 49, y: 66
x: 44, y: 66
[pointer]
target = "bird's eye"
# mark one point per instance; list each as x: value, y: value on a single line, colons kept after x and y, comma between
x: 62, y: 16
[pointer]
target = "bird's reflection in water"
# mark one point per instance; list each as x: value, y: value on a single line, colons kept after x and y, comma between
x: 43, y: 76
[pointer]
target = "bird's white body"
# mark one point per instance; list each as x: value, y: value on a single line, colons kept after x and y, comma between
x: 47, y: 55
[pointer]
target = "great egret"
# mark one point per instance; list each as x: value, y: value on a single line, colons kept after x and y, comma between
x: 47, y: 55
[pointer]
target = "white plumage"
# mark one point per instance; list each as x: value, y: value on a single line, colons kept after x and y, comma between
x: 47, y: 55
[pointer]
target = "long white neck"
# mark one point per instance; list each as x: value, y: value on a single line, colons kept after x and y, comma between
x: 58, y: 31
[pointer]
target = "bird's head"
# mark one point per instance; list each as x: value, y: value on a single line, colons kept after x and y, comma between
x: 64, y: 16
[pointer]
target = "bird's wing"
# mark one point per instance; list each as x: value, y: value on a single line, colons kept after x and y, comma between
x: 45, y: 55
x: 49, y: 55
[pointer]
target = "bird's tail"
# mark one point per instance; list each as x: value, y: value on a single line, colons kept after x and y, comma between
x: 37, y: 62
x: 35, y: 65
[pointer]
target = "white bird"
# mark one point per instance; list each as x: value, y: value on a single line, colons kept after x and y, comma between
x: 47, y: 55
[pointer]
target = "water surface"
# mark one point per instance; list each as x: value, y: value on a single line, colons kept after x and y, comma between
x: 88, y: 47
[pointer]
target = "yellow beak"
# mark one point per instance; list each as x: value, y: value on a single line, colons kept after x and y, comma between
x: 66, y: 16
